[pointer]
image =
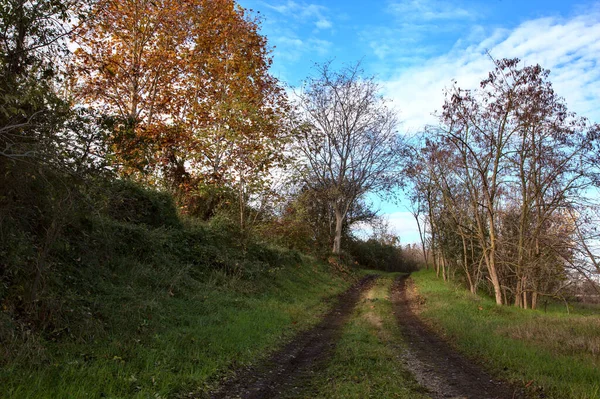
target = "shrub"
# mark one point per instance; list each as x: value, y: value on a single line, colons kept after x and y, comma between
x: 131, y: 203
x: 373, y: 254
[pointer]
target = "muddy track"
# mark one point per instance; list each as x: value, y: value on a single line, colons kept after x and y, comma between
x: 288, y: 370
x: 439, y: 368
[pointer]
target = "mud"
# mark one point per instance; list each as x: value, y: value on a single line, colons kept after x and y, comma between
x: 289, y: 370
x: 438, y: 367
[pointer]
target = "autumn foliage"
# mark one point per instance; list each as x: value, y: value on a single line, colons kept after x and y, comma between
x: 187, y: 89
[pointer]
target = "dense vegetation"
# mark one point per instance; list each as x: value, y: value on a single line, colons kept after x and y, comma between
x: 135, y: 302
x: 142, y: 202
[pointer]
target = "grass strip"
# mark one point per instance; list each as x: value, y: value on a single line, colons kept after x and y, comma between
x: 173, y: 347
x: 366, y: 362
x: 554, y: 354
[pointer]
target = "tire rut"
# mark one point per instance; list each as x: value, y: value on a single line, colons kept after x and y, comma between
x: 289, y: 369
x: 438, y: 367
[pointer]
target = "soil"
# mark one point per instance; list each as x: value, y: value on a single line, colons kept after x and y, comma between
x: 290, y: 369
x: 438, y: 367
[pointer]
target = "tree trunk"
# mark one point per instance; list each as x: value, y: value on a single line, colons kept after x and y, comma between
x: 518, y: 291
x: 466, y: 265
x: 337, y: 242
x: 534, y: 298
x: 242, y: 201
x: 422, y: 238
x: 492, y: 258
x: 443, y: 263
x: 494, y: 276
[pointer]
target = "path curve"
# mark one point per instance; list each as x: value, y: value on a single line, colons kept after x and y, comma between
x: 438, y: 367
x: 288, y: 369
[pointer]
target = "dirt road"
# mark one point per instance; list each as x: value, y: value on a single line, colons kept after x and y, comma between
x: 292, y: 367
x: 439, y: 368
x: 435, y: 365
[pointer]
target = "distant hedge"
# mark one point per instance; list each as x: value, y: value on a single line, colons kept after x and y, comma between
x: 373, y: 254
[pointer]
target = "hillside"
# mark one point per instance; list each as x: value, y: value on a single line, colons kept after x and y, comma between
x: 135, y: 301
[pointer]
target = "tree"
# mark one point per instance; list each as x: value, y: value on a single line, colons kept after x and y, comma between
x: 126, y: 67
x: 347, y: 139
x: 31, y: 45
x: 508, y: 163
x: 235, y: 107
x: 189, y: 85
x: 46, y: 147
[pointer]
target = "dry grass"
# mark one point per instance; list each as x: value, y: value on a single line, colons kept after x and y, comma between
x: 569, y: 335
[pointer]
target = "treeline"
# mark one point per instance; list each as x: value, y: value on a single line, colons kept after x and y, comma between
x: 505, y: 188
x: 144, y: 145
x: 124, y: 122
x: 177, y: 95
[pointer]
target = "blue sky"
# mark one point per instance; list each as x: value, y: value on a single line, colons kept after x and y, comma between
x: 417, y: 47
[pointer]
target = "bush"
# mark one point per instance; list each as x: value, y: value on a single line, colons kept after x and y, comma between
x: 208, y: 201
x: 373, y: 254
x: 131, y: 203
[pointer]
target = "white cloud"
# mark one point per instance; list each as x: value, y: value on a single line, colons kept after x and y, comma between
x: 414, y: 23
x: 323, y: 23
x: 304, y: 12
x: 293, y: 49
x: 298, y: 31
x: 429, y: 10
x: 569, y: 48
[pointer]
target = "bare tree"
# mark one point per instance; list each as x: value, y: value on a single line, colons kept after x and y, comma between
x: 347, y: 139
x: 508, y: 163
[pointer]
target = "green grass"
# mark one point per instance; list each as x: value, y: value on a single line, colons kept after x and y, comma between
x: 171, y: 345
x: 366, y: 362
x: 135, y: 301
x: 554, y: 353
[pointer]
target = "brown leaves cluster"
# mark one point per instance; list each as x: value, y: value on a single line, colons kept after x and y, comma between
x: 188, y: 86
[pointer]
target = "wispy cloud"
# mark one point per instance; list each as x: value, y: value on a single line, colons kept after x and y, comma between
x: 306, y: 12
x: 292, y: 48
x: 415, y: 22
x: 570, y: 48
x: 298, y: 31
x: 429, y: 10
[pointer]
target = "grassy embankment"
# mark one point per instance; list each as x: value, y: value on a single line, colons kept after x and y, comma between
x: 555, y: 354
x: 136, y: 308
x: 366, y: 362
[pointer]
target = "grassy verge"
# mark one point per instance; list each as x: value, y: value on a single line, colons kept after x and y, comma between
x: 115, y: 295
x: 554, y: 354
x: 169, y: 339
x: 366, y: 361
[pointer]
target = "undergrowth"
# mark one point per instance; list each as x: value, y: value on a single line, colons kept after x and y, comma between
x: 135, y: 301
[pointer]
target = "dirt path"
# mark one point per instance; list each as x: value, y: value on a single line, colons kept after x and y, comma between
x: 437, y: 366
x: 287, y: 371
